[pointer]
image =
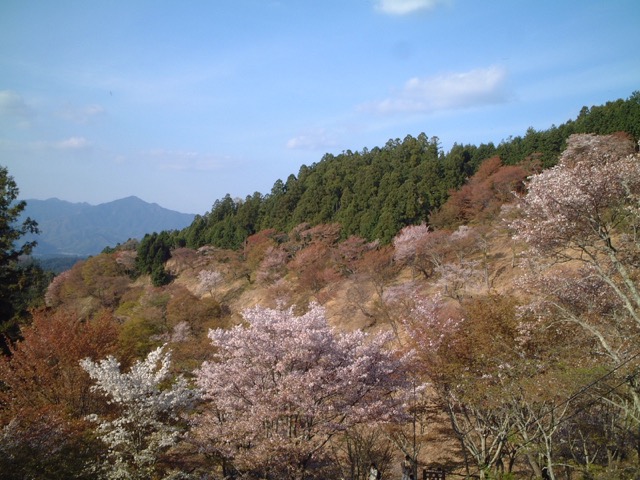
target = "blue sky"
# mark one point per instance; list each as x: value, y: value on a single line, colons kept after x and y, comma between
x: 182, y: 102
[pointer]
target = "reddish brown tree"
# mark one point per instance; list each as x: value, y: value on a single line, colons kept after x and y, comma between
x: 45, y: 395
x: 481, y: 197
x: 350, y: 251
x: 43, y: 368
x: 256, y: 246
x: 314, y: 267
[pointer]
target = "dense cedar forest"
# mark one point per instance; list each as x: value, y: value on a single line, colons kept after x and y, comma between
x: 475, y: 312
x: 374, y: 193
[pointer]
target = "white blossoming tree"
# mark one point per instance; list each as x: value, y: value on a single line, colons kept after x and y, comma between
x: 209, y: 281
x: 150, y: 409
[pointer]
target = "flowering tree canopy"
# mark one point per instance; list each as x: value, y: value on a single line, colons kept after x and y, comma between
x: 586, y: 209
x: 423, y: 249
x: 582, y: 198
x: 283, y: 385
x: 209, y: 280
x: 149, y: 415
x: 585, y: 213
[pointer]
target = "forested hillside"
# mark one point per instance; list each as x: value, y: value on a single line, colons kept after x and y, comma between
x: 374, y: 193
x: 498, y: 340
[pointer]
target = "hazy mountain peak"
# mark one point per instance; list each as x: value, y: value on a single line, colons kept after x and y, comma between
x: 68, y: 228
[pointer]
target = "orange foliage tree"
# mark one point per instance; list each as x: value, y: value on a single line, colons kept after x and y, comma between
x: 45, y: 395
x: 482, y: 196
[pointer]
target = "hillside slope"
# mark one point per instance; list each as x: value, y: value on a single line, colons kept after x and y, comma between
x: 500, y: 334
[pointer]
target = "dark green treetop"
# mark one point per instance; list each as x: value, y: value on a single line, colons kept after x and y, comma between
x: 15, y: 281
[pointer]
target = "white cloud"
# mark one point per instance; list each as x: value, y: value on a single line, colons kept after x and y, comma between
x: 317, y: 139
x: 446, y: 92
x: 406, y: 7
x: 73, y: 143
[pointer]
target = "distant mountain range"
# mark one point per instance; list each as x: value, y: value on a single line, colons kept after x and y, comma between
x: 80, y: 229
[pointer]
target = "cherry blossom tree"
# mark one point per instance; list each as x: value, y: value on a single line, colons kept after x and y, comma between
x: 586, y: 209
x: 432, y: 324
x: 54, y: 294
x: 282, y: 386
x: 421, y: 248
x: 149, y: 413
x: 457, y: 277
x: 486, y: 380
x: 584, y: 213
x: 209, y: 281
x: 273, y: 265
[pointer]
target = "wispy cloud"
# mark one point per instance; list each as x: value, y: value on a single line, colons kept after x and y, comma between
x: 406, y: 7
x: 14, y: 109
x: 318, y: 139
x: 452, y: 91
x: 82, y: 114
x: 73, y: 143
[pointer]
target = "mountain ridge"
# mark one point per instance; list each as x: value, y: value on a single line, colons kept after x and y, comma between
x: 82, y: 229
